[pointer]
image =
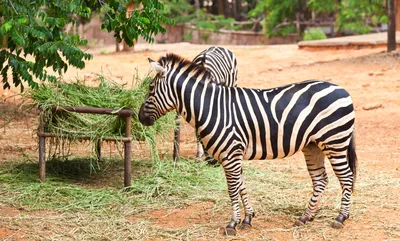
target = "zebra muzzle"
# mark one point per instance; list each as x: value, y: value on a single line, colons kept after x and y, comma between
x: 144, y: 117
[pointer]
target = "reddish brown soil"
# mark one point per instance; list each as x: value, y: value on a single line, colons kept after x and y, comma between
x: 373, y: 79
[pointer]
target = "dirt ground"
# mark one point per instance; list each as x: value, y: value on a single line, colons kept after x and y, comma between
x: 371, y: 76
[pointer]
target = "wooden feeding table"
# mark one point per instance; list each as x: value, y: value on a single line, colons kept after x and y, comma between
x: 126, y: 114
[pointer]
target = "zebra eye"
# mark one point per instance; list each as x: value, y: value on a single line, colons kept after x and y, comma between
x: 151, y: 88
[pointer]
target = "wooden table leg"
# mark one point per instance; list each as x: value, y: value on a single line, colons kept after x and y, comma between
x: 177, y: 137
x: 127, y: 153
x: 42, y: 153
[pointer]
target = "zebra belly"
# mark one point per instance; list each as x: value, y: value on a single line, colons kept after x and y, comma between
x: 259, y: 154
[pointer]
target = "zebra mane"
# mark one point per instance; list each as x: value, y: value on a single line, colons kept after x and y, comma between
x: 183, y: 62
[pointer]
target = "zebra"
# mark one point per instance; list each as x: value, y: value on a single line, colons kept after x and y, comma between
x: 222, y: 65
x: 315, y: 117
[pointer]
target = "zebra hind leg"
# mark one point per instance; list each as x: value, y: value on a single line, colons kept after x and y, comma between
x: 316, y: 168
x: 343, y: 160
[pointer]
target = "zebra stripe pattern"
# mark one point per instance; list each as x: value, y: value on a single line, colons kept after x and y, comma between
x: 314, y: 117
x: 221, y: 63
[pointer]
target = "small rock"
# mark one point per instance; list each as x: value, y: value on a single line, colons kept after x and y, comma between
x: 366, y: 85
x: 372, y: 106
x: 376, y: 74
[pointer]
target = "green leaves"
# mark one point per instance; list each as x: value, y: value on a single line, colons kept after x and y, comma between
x: 6, y: 27
x: 361, y: 15
x: 130, y: 25
x: 36, y: 28
x: 358, y: 16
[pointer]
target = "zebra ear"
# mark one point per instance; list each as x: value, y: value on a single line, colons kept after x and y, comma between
x: 156, y: 66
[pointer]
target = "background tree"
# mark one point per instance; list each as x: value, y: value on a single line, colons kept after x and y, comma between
x: 34, y: 36
x: 293, y: 16
x: 391, y: 37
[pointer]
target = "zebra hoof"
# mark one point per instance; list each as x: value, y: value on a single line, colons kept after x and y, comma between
x: 298, y: 223
x: 339, y: 220
x: 227, y: 231
x: 245, y: 226
x: 337, y: 225
x: 302, y: 221
x: 212, y: 162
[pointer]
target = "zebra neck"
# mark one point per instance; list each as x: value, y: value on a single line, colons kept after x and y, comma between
x: 196, y: 100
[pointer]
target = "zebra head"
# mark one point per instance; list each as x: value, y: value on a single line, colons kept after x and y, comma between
x: 157, y: 103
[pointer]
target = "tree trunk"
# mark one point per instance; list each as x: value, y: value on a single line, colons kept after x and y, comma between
x: 397, y: 7
x: 221, y: 7
x: 238, y: 10
x: 130, y: 7
x: 391, y: 33
x: 233, y: 9
x: 227, y: 8
x: 197, y: 7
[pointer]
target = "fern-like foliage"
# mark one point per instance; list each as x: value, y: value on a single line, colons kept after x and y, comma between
x: 32, y: 35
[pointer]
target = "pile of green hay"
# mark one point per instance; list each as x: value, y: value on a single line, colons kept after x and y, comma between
x: 107, y: 94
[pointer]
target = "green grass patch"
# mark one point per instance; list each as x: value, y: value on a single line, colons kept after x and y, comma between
x: 78, y: 204
x: 314, y: 34
x: 70, y: 186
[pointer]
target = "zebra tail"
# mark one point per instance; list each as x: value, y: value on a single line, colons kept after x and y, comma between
x: 352, y: 158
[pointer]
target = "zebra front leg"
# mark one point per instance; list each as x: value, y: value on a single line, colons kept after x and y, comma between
x: 233, y: 173
x: 200, y: 150
x: 316, y: 168
x: 249, y: 212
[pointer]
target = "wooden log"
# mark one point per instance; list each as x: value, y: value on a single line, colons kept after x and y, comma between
x: 94, y: 110
x: 105, y: 138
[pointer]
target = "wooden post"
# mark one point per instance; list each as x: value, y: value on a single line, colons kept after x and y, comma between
x: 42, y: 153
x: 127, y: 153
x: 98, y: 150
x: 298, y: 23
x: 177, y: 136
x: 391, y: 33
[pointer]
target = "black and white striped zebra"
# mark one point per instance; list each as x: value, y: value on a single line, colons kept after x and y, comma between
x: 221, y: 63
x: 314, y: 117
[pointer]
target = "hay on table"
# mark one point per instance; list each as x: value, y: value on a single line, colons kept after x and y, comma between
x: 107, y: 94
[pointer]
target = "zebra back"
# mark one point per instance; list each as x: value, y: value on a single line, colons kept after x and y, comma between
x: 221, y: 63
